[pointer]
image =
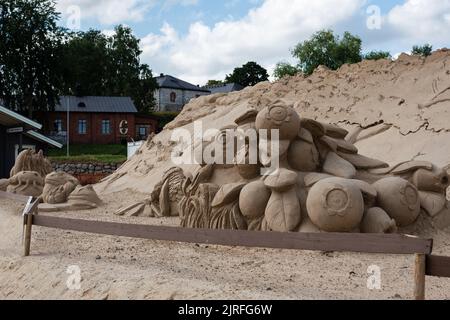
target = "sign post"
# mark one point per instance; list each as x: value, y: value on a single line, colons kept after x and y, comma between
x: 14, y: 130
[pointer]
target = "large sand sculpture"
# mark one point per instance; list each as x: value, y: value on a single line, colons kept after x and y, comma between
x: 362, y: 149
x: 330, y: 178
x: 321, y: 183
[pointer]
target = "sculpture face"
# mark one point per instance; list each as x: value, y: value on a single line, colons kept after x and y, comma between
x: 279, y: 117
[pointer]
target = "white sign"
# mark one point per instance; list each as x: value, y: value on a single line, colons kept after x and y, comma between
x: 133, y: 147
x: 14, y: 130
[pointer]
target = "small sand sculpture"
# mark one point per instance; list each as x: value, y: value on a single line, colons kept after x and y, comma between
x: 321, y: 184
x: 27, y: 183
x: 58, y: 187
x: 58, y: 191
x: 29, y: 160
x: 82, y: 198
x: 4, y: 184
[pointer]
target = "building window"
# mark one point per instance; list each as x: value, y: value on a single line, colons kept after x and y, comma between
x: 173, y: 97
x: 106, y: 127
x: 142, y: 131
x: 82, y: 126
x: 57, y: 125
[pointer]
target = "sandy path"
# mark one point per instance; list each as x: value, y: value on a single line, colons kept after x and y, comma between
x: 122, y: 268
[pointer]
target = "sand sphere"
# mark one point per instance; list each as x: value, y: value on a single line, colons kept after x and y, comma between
x: 303, y: 156
x: 334, y: 206
x: 253, y: 199
x: 399, y: 198
x: 280, y: 117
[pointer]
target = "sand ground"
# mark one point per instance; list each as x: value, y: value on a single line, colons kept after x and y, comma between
x: 123, y: 268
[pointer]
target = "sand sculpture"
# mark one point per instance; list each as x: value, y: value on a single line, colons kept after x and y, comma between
x: 32, y: 175
x: 29, y: 160
x: 4, y: 184
x: 321, y: 184
x: 27, y: 183
x: 58, y: 187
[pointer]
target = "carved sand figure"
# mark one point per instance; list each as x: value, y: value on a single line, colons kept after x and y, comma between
x: 82, y: 198
x: 29, y: 160
x: 4, y: 184
x: 322, y: 184
x: 58, y: 191
x: 58, y: 187
x: 27, y: 183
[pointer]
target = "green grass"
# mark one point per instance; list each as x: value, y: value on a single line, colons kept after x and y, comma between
x: 109, y: 153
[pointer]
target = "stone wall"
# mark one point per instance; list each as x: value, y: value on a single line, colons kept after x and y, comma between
x: 86, y: 168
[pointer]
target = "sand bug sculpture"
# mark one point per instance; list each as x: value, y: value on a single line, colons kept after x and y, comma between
x: 320, y: 184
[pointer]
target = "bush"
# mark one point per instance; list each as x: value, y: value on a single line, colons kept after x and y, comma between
x: 377, y: 55
x: 284, y: 69
x: 423, y: 51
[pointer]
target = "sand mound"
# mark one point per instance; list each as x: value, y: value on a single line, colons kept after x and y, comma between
x: 395, y: 110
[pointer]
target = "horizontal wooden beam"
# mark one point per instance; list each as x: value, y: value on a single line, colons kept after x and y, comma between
x: 438, y: 266
x: 13, y: 196
x: 342, y: 242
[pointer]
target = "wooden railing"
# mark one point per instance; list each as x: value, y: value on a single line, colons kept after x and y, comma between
x: 425, y: 264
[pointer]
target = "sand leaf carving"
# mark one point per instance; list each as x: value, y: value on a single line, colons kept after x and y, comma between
x: 164, y: 201
x: 283, y: 211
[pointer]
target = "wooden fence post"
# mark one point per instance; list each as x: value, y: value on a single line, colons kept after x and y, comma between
x: 419, y: 277
x: 28, y: 226
x: 28, y: 221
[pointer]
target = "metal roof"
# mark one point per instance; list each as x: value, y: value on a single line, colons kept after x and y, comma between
x: 41, y: 137
x: 10, y: 118
x: 224, y: 88
x: 96, y: 104
x: 166, y: 81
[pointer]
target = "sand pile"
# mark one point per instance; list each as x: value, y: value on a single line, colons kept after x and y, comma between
x: 395, y: 110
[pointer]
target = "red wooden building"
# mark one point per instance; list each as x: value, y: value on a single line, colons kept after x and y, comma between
x: 97, y: 120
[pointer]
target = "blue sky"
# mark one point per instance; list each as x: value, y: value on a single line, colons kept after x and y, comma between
x: 199, y: 40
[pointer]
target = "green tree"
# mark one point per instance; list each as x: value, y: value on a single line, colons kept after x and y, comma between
x: 96, y: 64
x: 214, y: 83
x: 284, y: 69
x: 324, y: 48
x: 377, y: 55
x: 87, y: 63
x: 125, y: 53
x: 249, y: 74
x: 143, y: 90
x: 423, y: 51
x: 30, y: 55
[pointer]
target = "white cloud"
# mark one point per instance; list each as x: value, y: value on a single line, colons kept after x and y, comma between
x: 265, y: 34
x: 421, y: 20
